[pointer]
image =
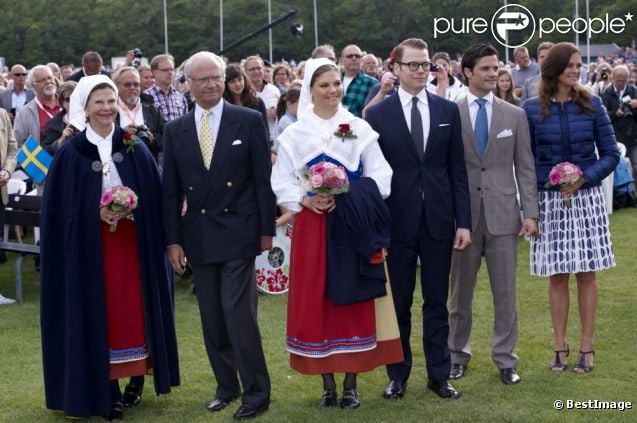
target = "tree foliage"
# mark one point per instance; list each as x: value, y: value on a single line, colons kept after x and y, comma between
x: 38, y: 31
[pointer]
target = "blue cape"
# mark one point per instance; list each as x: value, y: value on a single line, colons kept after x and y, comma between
x: 73, y: 310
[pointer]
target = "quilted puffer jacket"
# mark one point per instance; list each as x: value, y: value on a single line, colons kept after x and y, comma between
x: 569, y: 134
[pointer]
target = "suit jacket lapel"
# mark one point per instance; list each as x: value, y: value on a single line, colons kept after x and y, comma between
x: 397, y: 116
x: 467, y: 128
x: 228, y: 129
x: 189, y: 141
x: 226, y: 135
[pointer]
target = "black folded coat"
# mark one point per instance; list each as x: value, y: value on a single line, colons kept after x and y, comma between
x: 356, y: 229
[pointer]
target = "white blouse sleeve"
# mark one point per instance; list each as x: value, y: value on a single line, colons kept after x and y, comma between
x: 285, y: 183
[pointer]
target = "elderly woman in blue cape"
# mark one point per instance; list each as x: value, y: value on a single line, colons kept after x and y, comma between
x: 106, y: 297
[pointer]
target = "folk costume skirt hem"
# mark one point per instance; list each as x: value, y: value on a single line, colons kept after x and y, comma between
x: 323, y: 337
x: 129, y: 355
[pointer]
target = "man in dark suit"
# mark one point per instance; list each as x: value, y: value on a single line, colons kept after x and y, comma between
x: 620, y: 100
x: 91, y: 65
x: 217, y: 157
x: 421, y: 138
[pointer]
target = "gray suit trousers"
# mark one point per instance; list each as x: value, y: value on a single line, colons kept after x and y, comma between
x: 500, y: 252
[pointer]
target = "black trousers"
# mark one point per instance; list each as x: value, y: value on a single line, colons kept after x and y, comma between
x: 227, y: 297
x: 435, y: 259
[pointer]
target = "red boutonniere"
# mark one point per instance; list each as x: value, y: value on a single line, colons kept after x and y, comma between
x: 129, y: 141
x: 344, y: 131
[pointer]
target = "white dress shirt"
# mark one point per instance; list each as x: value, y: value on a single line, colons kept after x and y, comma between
x: 423, y: 107
x: 18, y: 100
x: 270, y: 96
x: 125, y: 114
x: 473, y: 107
x: 214, y: 119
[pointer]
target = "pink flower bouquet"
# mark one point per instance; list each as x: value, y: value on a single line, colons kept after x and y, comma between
x: 118, y: 199
x: 326, y: 178
x: 564, y: 174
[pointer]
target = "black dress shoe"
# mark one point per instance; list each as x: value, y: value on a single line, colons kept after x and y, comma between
x: 328, y: 400
x: 250, y: 411
x: 395, y: 389
x: 509, y: 376
x: 117, y: 411
x: 218, y: 403
x: 457, y: 371
x: 132, y: 395
x: 351, y: 400
x: 443, y: 389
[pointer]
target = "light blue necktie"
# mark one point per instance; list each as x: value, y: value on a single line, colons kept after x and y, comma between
x: 481, y: 127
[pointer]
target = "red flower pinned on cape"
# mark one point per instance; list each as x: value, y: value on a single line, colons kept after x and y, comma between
x: 130, y: 141
x: 344, y: 131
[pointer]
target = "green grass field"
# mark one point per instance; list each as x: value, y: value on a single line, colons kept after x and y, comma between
x: 484, y: 397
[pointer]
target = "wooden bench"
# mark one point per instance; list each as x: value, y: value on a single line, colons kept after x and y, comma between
x: 22, y: 210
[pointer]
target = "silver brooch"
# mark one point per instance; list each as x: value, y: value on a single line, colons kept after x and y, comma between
x: 96, y: 166
x: 118, y: 157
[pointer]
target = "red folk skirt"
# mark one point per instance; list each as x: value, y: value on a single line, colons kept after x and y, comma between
x: 323, y: 337
x: 129, y: 355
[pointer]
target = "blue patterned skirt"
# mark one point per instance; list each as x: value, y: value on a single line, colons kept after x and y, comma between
x: 572, y: 239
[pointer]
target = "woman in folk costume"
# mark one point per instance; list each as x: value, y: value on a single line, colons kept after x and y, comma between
x: 106, y: 297
x: 341, y: 315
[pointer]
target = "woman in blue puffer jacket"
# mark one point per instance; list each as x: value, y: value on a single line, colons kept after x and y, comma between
x: 568, y: 124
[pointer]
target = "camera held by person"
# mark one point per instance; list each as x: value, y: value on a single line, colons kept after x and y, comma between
x: 137, y: 58
x: 625, y: 107
x: 145, y: 134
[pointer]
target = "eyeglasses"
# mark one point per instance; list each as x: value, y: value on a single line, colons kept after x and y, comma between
x: 207, y: 79
x: 19, y: 74
x: 47, y: 79
x: 254, y: 69
x: 65, y: 99
x: 413, y: 66
x: 132, y: 85
x: 353, y: 56
x: 166, y: 70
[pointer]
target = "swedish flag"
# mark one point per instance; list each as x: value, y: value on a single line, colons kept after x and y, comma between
x: 34, y: 160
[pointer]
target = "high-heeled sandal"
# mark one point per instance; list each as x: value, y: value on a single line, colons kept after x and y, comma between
x: 557, y: 365
x: 581, y: 366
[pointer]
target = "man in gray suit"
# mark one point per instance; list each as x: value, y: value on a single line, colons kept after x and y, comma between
x: 497, y: 152
x: 14, y: 99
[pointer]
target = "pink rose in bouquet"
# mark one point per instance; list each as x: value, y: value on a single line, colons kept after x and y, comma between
x: 564, y: 174
x: 326, y: 178
x: 118, y: 199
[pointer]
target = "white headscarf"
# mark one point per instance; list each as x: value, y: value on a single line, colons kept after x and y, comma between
x: 79, y: 97
x: 305, y: 99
